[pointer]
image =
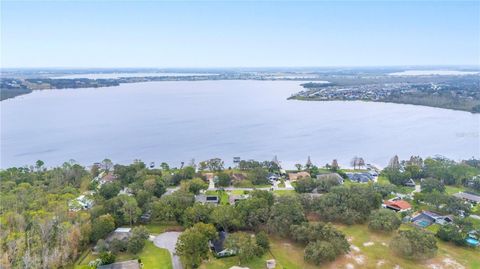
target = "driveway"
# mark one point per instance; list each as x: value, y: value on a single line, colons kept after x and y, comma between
x: 168, y: 240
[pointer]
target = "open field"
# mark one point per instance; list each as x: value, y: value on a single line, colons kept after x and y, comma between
x: 151, y: 257
x: 368, y: 250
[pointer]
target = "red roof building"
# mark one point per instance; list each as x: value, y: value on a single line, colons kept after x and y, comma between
x: 398, y: 205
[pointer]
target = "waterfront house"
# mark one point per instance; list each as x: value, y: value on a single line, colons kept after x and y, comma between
x: 360, y: 177
x: 298, y: 175
x: 469, y: 197
x: 328, y: 176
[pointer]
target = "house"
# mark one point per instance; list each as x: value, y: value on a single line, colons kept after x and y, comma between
x: 409, y: 183
x: 131, y: 264
x: 360, y: 177
x: 82, y: 202
x: 469, y: 197
x: 296, y: 176
x: 202, y: 198
x: 397, y: 205
x: 119, y: 234
x: 273, y: 177
x: 233, y: 199
x: 217, y: 246
x: 108, y: 178
x: 427, y: 218
x: 330, y: 176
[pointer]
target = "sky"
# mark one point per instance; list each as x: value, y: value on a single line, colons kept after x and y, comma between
x: 238, y: 34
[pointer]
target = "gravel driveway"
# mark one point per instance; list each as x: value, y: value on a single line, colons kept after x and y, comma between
x: 168, y: 240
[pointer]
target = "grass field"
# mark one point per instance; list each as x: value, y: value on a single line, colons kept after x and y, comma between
x: 369, y: 250
x: 151, y: 257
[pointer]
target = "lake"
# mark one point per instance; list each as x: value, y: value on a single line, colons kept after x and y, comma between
x: 180, y: 120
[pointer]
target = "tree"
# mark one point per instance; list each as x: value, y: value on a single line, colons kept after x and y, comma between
x: 308, y: 164
x: 394, y: 163
x: 254, y: 212
x: 414, y: 244
x: 117, y: 246
x: 258, y: 176
x: 244, y: 245
x: 107, y: 164
x: 298, y: 166
x: 361, y: 162
x: 286, y: 211
x: 196, y: 185
x: 109, y: 190
x: 164, y: 166
x: 335, y: 166
x: 107, y: 257
x: 172, y: 207
x: 452, y: 233
x: 39, y: 164
x: 305, y: 185
x: 319, y: 252
x: 225, y: 217
x: 130, y: 209
x: 348, y: 205
x: 136, y: 242
x: 262, y: 241
x: 384, y: 220
x: 323, y: 241
x: 192, y: 244
x: 215, y: 164
x: 431, y: 184
x: 102, y: 226
x: 224, y: 180
x: 197, y: 213
x: 354, y: 162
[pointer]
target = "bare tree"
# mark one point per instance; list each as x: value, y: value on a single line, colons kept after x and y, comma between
x: 335, y: 164
x: 361, y: 162
x: 354, y: 162
x: 394, y: 163
x: 309, y: 164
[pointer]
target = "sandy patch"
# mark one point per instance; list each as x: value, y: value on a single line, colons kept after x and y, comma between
x: 384, y: 244
x: 447, y: 263
x: 380, y: 263
x: 367, y: 244
x: 349, y: 266
x: 397, y: 266
x: 355, y: 248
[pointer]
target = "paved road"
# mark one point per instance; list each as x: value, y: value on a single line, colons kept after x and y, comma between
x: 168, y: 240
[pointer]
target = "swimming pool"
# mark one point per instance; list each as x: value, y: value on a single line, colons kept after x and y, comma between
x: 472, y: 242
x: 423, y: 223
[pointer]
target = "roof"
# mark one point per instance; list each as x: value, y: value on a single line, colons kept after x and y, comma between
x: 132, y: 264
x: 295, y: 176
x: 123, y: 230
x: 400, y: 204
x: 201, y: 198
x: 330, y: 175
x: 468, y: 196
x: 217, y: 244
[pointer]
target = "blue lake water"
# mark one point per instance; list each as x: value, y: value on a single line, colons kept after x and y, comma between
x: 178, y: 121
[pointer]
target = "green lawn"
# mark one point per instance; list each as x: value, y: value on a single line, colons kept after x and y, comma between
x: 284, y: 192
x: 151, y: 257
x: 453, y: 189
x: 237, y: 192
x: 225, y: 263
